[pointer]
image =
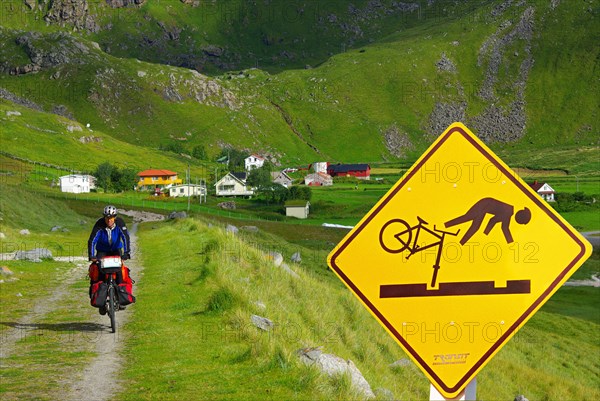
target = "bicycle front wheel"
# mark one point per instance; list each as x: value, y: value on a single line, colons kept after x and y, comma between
x: 112, y: 307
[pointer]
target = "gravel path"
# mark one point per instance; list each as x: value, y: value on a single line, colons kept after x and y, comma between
x: 99, y: 381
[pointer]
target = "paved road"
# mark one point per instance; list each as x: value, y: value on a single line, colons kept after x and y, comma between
x: 593, y: 237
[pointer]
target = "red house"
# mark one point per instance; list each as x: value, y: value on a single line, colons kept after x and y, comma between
x: 361, y: 171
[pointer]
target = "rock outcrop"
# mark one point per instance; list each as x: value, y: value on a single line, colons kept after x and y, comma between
x: 124, y: 3
x: 65, y: 49
x: 71, y: 12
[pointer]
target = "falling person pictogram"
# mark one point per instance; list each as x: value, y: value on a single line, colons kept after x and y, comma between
x: 501, y: 214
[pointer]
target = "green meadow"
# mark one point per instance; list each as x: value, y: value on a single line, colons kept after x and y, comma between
x: 301, y: 82
x: 191, y: 335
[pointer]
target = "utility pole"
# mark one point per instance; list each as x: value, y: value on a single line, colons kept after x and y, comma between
x: 188, y: 187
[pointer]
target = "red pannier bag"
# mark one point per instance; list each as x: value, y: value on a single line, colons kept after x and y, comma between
x: 99, y: 292
x: 125, y: 290
x: 94, y: 272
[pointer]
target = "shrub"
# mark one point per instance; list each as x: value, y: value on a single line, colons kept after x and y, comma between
x: 221, y: 301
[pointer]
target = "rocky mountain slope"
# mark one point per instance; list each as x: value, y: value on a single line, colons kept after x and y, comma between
x: 361, y: 81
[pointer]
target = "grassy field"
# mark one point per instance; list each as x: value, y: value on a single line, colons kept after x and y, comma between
x: 291, y: 86
x: 191, y: 335
x: 220, y: 282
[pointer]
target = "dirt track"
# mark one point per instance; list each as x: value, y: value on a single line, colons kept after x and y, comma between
x: 89, y: 332
x: 99, y: 381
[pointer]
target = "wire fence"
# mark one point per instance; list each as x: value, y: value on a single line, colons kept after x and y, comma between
x: 168, y: 206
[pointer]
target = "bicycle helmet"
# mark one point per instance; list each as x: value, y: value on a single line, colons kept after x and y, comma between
x: 110, y: 211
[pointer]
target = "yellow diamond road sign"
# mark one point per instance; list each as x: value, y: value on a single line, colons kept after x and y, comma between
x: 456, y: 257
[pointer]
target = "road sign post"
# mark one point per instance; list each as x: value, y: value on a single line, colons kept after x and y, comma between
x: 456, y: 257
x: 468, y: 394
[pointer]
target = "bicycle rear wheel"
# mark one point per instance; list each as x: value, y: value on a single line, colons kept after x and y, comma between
x: 395, y: 236
x: 112, y: 307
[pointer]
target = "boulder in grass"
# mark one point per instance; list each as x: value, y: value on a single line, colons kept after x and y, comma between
x: 262, y: 322
x: 401, y: 363
x: 333, y: 365
x: 276, y: 257
x: 287, y: 268
x: 177, y: 215
x: 24, y: 232
x: 34, y: 255
x: 5, y: 271
x: 232, y: 229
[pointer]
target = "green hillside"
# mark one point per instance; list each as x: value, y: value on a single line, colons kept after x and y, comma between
x: 370, y: 81
x: 65, y: 145
x: 384, y: 79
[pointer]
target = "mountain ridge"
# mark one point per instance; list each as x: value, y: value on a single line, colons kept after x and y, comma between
x: 488, y: 67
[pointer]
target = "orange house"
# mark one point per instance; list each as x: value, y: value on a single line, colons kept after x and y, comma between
x: 151, y: 179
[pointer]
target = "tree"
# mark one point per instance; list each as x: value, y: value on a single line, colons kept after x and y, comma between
x: 199, y: 152
x: 259, y: 177
x: 103, y: 175
x: 175, y: 147
x: 235, y: 157
x: 279, y: 193
x: 300, y: 192
x: 127, y: 180
x: 112, y: 178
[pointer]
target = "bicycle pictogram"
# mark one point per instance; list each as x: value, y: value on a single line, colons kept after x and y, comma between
x: 397, y: 236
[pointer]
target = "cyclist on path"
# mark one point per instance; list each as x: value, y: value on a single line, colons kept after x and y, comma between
x: 109, y: 237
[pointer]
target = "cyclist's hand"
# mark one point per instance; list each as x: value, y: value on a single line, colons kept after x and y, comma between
x: 126, y: 256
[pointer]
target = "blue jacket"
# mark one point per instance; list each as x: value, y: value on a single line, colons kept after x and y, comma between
x: 113, y: 241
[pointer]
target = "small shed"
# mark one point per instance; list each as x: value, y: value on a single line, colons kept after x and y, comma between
x: 297, y: 208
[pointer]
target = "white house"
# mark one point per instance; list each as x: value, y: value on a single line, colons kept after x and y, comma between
x: 544, y: 190
x: 187, y: 190
x: 77, y: 183
x: 233, y: 184
x: 253, y: 161
x: 280, y: 177
x: 297, y: 208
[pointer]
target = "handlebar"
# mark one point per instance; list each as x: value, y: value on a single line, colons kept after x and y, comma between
x: 445, y: 232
